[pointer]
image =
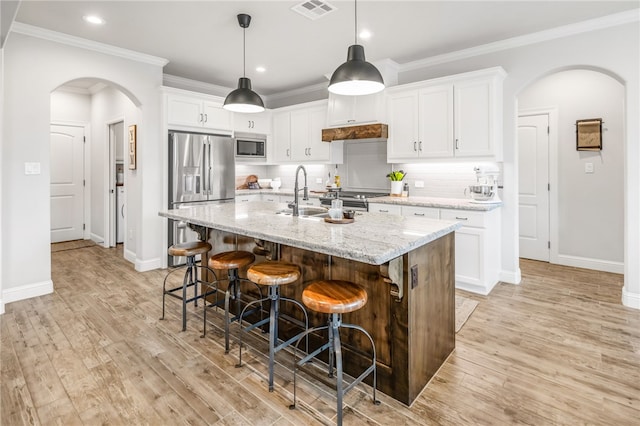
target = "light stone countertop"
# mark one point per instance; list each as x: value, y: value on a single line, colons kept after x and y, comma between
x: 373, y: 238
x: 441, y: 203
x: 434, y: 202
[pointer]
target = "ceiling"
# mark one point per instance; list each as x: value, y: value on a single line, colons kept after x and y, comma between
x: 202, y: 39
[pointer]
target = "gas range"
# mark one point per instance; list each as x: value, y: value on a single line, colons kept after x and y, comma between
x: 355, y: 200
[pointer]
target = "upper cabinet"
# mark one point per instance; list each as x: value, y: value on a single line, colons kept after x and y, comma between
x: 454, y: 117
x: 297, y: 135
x: 352, y: 110
x: 184, y: 111
x: 252, y: 123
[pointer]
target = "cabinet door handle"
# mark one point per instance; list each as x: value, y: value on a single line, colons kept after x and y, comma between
x: 383, y: 211
x: 457, y: 144
x: 414, y: 146
x: 206, y: 118
x: 351, y: 121
x: 309, y: 151
x: 287, y: 152
x: 201, y: 117
x: 420, y: 146
x: 419, y: 214
x: 462, y: 218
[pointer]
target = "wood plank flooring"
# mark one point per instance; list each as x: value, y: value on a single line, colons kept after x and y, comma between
x: 558, y: 349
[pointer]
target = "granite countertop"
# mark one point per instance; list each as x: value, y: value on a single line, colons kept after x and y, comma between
x: 442, y: 203
x: 373, y: 238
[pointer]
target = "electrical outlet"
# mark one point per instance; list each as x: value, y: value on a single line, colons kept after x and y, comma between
x: 419, y: 184
x: 414, y: 276
x: 31, y: 168
x: 318, y: 180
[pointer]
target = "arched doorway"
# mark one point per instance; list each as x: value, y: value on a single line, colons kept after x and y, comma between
x: 100, y: 109
x: 575, y: 211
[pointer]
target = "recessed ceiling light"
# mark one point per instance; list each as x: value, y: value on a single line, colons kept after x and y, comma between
x: 93, y: 19
x: 365, y: 34
x: 261, y: 69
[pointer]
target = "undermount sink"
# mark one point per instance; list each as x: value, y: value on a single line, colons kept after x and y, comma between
x: 306, y: 211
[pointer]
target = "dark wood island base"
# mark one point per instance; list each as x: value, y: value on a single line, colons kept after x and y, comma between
x: 410, y: 311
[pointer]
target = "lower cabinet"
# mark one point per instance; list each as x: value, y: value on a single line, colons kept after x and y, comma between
x: 385, y: 208
x: 477, y: 249
x: 477, y: 242
x: 248, y: 197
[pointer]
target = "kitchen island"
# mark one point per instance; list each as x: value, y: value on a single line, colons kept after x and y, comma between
x: 405, y: 264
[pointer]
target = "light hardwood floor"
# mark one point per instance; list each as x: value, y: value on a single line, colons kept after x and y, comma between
x: 558, y: 349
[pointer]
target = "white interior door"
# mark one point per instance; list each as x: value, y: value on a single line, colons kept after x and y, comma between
x: 67, y: 183
x: 533, y: 187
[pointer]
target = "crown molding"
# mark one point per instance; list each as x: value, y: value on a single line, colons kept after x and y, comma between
x: 300, y: 91
x: 608, y: 21
x: 194, y: 85
x: 82, y: 43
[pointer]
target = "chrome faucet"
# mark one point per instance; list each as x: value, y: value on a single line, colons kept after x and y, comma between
x: 296, y: 190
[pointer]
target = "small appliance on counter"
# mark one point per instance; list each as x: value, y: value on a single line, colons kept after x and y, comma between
x: 486, y: 191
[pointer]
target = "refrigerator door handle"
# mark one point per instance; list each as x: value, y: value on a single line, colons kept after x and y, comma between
x: 205, y: 166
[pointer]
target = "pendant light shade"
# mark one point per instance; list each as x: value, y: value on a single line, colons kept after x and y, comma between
x: 243, y: 99
x: 356, y: 76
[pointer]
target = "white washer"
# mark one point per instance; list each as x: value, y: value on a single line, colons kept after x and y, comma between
x: 120, y: 194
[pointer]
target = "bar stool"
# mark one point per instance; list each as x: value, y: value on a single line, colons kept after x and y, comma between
x: 273, y: 275
x: 189, y: 250
x: 335, y: 297
x: 232, y: 261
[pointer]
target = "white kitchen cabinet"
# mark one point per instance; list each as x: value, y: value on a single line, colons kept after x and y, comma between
x: 477, y: 248
x: 297, y: 136
x: 352, y: 110
x: 385, y: 208
x: 452, y: 117
x: 252, y: 123
x: 196, y: 112
x: 248, y: 197
x: 415, y: 211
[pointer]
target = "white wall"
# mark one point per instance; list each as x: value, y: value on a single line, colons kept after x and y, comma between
x: 108, y: 106
x: 33, y: 69
x: 590, y: 206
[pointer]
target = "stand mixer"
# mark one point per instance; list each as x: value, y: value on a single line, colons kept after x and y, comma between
x: 486, y: 191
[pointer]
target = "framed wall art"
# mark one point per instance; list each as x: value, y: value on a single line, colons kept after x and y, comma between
x: 132, y: 147
x: 589, y: 134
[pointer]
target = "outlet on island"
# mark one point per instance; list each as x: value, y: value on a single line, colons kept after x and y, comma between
x: 419, y: 184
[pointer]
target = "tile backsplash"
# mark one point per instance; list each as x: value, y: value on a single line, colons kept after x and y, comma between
x: 440, y: 179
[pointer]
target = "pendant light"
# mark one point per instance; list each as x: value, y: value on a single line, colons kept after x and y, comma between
x: 356, y: 76
x: 243, y: 99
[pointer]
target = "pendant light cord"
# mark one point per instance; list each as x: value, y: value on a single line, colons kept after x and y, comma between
x: 355, y: 13
x: 244, y: 51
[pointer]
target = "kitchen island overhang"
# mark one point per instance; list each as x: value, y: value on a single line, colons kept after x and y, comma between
x: 406, y: 264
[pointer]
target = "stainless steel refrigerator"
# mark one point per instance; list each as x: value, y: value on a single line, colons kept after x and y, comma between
x: 201, y: 171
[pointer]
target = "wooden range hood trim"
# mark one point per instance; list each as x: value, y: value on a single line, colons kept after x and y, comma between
x: 366, y: 131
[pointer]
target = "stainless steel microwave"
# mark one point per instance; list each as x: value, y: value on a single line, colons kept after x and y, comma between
x: 250, y: 145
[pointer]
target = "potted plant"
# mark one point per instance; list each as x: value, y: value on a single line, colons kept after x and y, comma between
x: 396, y: 177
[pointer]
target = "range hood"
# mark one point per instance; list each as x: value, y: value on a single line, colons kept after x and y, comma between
x: 366, y: 131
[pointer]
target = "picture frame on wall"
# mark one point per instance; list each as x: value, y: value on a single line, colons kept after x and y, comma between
x: 589, y: 134
x: 132, y: 147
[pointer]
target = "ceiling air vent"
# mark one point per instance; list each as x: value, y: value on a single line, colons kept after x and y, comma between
x: 313, y: 9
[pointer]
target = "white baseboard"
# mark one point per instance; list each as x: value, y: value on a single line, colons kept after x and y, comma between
x: 26, y: 291
x: 511, y: 277
x: 631, y: 300
x: 474, y: 288
x: 148, y: 265
x: 588, y: 263
x: 130, y: 256
x: 98, y: 239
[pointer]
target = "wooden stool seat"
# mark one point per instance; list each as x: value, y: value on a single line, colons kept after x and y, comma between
x: 334, y: 296
x: 231, y: 259
x: 192, y: 248
x: 274, y: 273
